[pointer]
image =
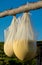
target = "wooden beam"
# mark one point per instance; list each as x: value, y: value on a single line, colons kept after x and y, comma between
x: 27, y: 7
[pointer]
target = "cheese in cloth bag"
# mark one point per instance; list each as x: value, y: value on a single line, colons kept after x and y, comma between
x: 9, y: 34
x: 24, y: 44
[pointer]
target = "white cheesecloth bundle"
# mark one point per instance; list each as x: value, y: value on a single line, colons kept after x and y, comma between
x: 24, y: 44
x: 9, y: 35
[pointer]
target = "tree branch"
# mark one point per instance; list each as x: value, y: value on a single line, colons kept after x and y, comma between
x: 27, y: 7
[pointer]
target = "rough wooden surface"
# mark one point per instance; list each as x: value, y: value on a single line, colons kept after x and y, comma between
x: 27, y: 7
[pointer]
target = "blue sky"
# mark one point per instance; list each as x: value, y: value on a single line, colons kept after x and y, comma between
x: 36, y: 17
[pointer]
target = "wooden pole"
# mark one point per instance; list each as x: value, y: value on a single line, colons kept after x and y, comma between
x: 27, y: 7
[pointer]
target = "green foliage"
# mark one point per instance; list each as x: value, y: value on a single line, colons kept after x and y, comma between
x: 13, y: 60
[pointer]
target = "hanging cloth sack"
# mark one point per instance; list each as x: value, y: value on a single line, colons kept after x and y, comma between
x: 9, y: 34
x: 24, y: 44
